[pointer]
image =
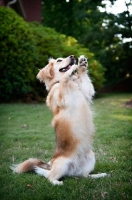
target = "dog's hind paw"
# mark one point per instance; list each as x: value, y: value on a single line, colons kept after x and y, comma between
x: 56, y: 182
x: 98, y: 175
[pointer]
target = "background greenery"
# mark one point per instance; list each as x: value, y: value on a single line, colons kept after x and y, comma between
x: 26, y: 47
x: 103, y: 33
x: 76, y: 27
x: 25, y: 131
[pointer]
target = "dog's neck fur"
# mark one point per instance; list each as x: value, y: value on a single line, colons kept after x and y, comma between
x: 52, y: 85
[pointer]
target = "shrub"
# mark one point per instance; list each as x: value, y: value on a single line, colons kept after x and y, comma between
x: 52, y: 44
x: 26, y: 47
x: 18, y: 55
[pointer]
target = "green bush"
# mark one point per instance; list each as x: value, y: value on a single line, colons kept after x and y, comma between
x: 17, y: 57
x: 52, y: 44
x: 26, y: 47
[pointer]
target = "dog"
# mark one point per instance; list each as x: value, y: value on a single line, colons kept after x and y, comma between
x: 70, y: 93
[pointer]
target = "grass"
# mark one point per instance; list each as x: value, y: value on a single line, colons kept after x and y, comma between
x: 25, y: 131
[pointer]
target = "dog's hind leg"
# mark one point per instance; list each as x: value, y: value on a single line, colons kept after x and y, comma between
x: 89, y: 164
x: 89, y: 167
x: 98, y: 175
x: 59, y: 169
x: 48, y: 174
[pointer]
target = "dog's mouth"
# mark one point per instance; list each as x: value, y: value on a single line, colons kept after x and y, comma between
x: 64, y: 69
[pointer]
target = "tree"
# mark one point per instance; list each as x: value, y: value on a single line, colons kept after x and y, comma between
x: 67, y: 16
x: 105, y: 37
x: 103, y: 33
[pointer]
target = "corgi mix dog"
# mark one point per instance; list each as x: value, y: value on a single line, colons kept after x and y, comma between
x: 70, y: 92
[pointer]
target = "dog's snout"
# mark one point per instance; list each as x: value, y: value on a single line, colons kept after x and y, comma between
x: 72, y: 56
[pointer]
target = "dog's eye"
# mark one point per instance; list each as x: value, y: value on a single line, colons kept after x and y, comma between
x: 59, y: 60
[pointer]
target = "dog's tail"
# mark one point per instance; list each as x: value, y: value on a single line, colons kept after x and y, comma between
x: 29, y: 165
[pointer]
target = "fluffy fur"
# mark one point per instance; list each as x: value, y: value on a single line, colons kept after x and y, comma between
x: 70, y: 93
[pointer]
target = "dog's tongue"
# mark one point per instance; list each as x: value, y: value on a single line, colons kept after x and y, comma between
x: 69, y: 66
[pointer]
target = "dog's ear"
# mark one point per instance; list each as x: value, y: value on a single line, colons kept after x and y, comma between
x: 46, y: 72
x: 41, y: 75
x: 50, y: 71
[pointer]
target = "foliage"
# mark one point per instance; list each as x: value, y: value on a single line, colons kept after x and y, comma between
x: 26, y: 47
x: 67, y: 16
x: 17, y: 57
x: 103, y: 33
x: 108, y: 43
x: 28, y: 133
x: 47, y: 41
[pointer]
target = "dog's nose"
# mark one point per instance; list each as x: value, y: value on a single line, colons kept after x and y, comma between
x: 72, y: 56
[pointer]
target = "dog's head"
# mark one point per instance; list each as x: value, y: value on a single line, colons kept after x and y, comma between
x: 54, y: 70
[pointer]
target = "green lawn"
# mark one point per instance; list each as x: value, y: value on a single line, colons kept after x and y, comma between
x: 25, y: 132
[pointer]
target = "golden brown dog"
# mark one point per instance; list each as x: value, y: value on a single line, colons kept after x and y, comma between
x: 70, y: 92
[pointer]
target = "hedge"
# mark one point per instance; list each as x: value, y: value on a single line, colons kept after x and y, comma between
x: 25, y: 48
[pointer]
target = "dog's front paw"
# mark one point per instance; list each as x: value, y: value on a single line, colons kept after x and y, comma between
x: 74, y: 69
x: 82, y: 62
